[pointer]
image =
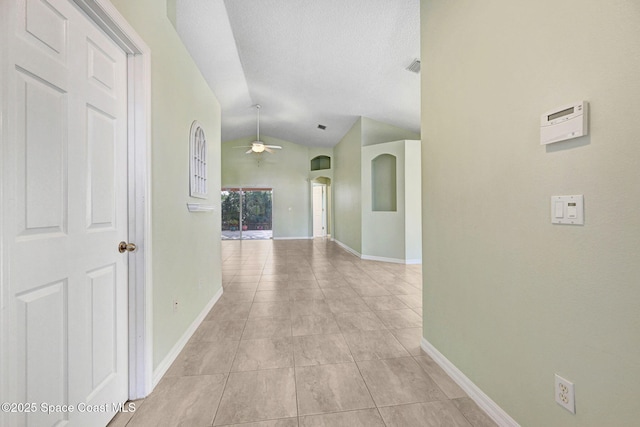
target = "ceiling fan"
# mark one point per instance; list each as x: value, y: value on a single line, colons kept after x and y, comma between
x: 258, y: 146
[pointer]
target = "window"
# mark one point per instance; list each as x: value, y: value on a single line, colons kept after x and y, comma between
x: 198, y: 166
x: 383, y: 183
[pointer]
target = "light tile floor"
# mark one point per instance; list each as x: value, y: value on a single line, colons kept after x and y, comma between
x: 308, y: 335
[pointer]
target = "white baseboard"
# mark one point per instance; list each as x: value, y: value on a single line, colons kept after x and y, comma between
x: 376, y: 258
x: 347, y: 248
x: 164, y: 366
x: 293, y: 238
x: 485, y: 403
x: 393, y: 260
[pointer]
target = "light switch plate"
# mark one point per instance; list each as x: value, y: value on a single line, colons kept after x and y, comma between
x: 567, y: 209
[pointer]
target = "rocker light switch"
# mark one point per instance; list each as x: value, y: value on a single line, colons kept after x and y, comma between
x: 559, y: 210
x: 567, y: 209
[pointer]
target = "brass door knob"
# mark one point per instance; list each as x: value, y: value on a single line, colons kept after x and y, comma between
x: 126, y: 247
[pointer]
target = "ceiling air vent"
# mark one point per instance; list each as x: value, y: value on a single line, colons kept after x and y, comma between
x: 322, y: 127
x: 414, y: 67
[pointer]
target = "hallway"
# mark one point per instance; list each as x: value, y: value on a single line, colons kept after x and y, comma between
x: 307, y: 334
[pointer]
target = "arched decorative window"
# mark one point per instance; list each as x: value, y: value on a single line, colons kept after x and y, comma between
x: 320, y: 163
x: 198, y: 164
x: 383, y: 183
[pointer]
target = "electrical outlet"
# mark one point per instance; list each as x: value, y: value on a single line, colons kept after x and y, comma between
x: 175, y: 305
x: 565, y: 394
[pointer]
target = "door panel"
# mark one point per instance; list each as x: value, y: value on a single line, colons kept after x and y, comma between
x: 47, y: 25
x: 103, y: 285
x: 102, y: 68
x: 45, y: 376
x: 41, y: 144
x: 64, y: 321
x: 101, y: 140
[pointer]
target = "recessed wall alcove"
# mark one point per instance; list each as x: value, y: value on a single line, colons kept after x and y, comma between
x: 320, y: 163
x: 391, y: 202
x: 384, y: 192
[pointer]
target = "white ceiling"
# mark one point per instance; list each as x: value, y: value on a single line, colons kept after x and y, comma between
x: 306, y: 63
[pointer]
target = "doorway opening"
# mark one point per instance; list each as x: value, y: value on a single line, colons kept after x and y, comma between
x: 247, y: 213
x: 319, y: 210
x: 321, y: 207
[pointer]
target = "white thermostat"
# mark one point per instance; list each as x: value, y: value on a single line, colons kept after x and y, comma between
x: 566, y: 122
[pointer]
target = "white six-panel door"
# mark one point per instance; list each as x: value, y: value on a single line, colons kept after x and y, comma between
x: 64, y: 183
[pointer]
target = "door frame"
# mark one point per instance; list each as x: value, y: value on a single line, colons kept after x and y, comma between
x: 327, y: 182
x: 324, y: 209
x: 106, y: 17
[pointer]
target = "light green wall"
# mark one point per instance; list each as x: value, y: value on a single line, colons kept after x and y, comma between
x: 171, y: 11
x: 347, y: 189
x: 383, y: 231
x: 375, y: 132
x: 347, y: 224
x: 413, y: 202
x: 395, y: 235
x: 509, y: 298
x: 186, y: 246
x: 286, y: 171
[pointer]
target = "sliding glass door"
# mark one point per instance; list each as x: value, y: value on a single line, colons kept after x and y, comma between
x: 231, y: 227
x: 246, y: 213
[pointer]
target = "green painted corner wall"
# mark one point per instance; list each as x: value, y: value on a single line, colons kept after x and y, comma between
x: 347, y: 189
x: 413, y: 201
x: 509, y: 298
x: 375, y: 132
x: 185, y: 246
x: 171, y: 11
x: 394, y: 235
x: 347, y: 204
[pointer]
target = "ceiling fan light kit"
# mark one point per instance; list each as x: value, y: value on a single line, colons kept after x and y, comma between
x: 258, y: 146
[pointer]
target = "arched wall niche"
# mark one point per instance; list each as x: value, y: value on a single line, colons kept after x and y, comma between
x: 384, y: 193
x: 320, y: 163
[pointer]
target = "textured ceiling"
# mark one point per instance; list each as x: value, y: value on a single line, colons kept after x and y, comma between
x: 306, y: 63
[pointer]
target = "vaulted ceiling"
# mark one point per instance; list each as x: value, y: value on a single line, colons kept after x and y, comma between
x: 306, y: 63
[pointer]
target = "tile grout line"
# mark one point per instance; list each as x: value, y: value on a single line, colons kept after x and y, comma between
x: 293, y: 357
x: 226, y: 381
x: 224, y: 388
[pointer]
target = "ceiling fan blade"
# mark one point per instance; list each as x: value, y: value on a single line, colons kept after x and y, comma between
x: 243, y: 146
x: 268, y: 150
x: 274, y: 146
x: 249, y: 151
